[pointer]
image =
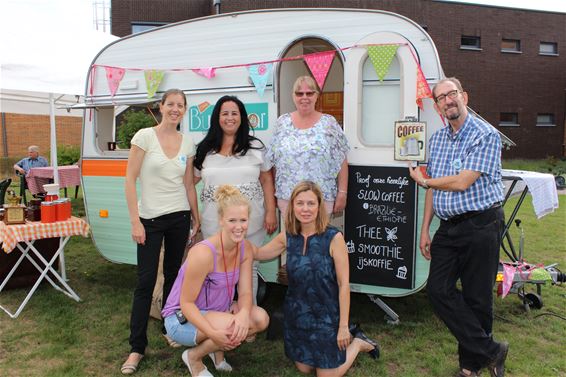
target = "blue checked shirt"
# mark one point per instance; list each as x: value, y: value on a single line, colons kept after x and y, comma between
x: 476, y: 146
x: 28, y: 163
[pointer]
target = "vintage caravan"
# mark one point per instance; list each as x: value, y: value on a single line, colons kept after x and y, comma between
x: 382, y: 218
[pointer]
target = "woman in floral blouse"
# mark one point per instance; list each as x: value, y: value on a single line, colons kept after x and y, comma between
x: 309, y: 145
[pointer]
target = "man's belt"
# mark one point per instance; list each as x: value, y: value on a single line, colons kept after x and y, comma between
x: 468, y: 215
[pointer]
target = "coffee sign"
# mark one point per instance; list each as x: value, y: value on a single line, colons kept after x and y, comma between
x: 380, y: 226
x: 410, y: 139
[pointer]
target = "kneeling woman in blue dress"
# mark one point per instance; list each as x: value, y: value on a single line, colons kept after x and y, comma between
x: 317, y: 303
x: 199, y: 311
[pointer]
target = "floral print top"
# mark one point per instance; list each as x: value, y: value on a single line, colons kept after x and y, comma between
x: 314, y: 154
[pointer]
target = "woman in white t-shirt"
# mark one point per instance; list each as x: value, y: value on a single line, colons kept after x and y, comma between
x: 162, y: 159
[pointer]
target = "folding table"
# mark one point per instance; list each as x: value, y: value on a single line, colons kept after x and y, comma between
x: 22, y: 237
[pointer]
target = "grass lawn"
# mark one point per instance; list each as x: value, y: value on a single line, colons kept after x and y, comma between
x: 56, y: 336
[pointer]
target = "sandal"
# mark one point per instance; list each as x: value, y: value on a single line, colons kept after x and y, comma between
x: 222, y: 366
x: 374, y: 353
x: 171, y: 342
x: 131, y: 368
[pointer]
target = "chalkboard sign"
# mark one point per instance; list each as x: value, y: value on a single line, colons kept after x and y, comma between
x: 380, y: 226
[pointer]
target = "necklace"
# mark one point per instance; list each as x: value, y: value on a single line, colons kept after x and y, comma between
x: 228, y: 286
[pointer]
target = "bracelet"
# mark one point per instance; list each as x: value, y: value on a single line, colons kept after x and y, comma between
x: 424, y: 184
x: 343, y: 191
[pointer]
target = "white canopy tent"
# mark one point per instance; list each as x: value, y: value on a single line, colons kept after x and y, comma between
x: 46, y: 50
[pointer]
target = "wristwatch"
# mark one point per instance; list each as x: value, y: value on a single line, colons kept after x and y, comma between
x: 424, y: 184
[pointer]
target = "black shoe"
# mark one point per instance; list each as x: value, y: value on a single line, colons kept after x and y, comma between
x: 496, y: 367
x: 354, y: 329
x: 374, y: 353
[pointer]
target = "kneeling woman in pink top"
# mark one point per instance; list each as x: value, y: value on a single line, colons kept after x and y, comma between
x: 199, y: 311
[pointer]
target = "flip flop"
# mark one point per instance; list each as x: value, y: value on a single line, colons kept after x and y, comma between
x: 130, y: 368
x: 222, y: 366
x: 202, y: 373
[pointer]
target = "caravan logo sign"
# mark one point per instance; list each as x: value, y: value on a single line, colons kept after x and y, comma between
x: 199, y: 116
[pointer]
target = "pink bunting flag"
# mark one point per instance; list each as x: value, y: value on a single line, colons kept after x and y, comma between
x: 208, y: 72
x: 423, y: 90
x: 319, y: 64
x: 114, y: 75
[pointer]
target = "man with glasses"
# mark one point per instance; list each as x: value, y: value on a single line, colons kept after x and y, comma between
x: 465, y: 191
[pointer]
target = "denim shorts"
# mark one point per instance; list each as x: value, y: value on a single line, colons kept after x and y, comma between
x: 185, y: 334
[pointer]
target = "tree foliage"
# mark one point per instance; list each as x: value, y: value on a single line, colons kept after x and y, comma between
x: 132, y: 122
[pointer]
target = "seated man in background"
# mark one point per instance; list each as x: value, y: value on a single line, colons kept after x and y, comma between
x: 34, y: 160
x: 22, y: 167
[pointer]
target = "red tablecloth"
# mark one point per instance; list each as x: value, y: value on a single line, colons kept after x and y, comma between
x: 69, y: 176
x: 10, y: 235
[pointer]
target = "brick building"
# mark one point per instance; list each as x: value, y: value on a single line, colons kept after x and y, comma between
x: 511, y: 61
x: 23, y: 130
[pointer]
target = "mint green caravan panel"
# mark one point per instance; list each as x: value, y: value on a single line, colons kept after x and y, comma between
x: 111, y: 235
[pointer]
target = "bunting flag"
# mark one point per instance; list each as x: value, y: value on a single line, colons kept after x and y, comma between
x: 208, y: 72
x: 114, y: 75
x: 153, y: 78
x: 260, y: 73
x: 381, y: 57
x: 319, y: 65
x: 423, y: 90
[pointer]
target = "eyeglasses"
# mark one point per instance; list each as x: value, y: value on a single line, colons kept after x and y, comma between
x: 451, y: 94
x: 302, y: 94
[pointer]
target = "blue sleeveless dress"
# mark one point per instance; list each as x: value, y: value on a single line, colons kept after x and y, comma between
x: 312, y: 311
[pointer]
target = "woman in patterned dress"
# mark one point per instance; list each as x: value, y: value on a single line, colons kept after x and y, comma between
x: 317, y: 303
x: 309, y: 145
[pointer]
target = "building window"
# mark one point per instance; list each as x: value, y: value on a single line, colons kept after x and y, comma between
x: 548, y: 48
x: 545, y: 120
x: 143, y: 26
x: 509, y: 119
x: 468, y: 42
x: 510, y: 45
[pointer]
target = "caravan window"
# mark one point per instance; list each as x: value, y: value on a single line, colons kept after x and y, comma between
x: 380, y: 104
x: 116, y: 125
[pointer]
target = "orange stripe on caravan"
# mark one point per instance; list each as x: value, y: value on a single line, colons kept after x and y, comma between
x: 104, y: 168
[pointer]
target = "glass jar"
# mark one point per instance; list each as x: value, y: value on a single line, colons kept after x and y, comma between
x: 34, y: 210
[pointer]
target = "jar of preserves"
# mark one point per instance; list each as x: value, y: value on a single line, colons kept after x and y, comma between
x: 48, y: 212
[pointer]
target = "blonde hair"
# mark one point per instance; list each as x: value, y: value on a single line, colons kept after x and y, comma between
x: 229, y: 196
x: 307, y: 80
x: 292, y: 225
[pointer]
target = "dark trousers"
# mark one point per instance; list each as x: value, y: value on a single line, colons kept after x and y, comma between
x: 173, y: 230
x: 467, y: 251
